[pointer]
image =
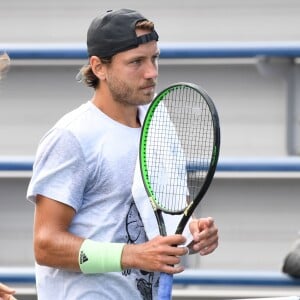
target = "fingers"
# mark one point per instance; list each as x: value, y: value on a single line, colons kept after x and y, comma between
x: 7, y: 297
x: 199, y: 225
x: 4, y: 64
x: 4, y: 289
x: 172, y: 269
x: 205, y: 234
x: 170, y: 251
x: 174, y: 251
x: 207, y: 245
x: 202, y: 228
x: 208, y: 249
x: 171, y: 257
x: 204, y: 247
x: 161, y: 254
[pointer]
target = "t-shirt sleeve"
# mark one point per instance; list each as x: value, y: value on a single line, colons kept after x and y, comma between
x: 60, y: 169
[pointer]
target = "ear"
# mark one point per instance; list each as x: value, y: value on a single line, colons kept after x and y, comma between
x: 99, y: 69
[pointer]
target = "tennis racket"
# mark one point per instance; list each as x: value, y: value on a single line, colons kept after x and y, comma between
x: 4, y: 64
x: 179, y: 150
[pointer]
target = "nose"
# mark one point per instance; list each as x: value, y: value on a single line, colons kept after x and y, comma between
x: 151, y: 70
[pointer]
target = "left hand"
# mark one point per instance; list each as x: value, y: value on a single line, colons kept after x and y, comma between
x: 205, y: 236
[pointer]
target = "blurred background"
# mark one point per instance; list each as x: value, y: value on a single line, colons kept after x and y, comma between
x: 255, y: 195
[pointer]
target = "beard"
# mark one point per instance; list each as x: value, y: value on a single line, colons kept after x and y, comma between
x: 126, y: 94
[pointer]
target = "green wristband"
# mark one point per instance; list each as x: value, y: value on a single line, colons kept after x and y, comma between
x: 96, y: 257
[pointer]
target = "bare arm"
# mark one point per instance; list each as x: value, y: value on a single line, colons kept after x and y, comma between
x: 54, y: 246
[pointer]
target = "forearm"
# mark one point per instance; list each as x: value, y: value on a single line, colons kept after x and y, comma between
x: 58, y: 250
x: 72, y: 253
x: 66, y: 250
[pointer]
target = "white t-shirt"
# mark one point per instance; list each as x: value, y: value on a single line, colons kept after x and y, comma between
x: 87, y: 161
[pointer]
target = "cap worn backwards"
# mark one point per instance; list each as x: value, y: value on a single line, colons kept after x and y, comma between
x: 114, y: 32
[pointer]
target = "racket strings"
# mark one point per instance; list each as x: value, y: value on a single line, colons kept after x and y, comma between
x: 179, y: 134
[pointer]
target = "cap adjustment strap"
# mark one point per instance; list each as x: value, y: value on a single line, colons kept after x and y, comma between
x: 152, y: 36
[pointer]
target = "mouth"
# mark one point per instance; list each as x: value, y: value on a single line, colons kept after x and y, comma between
x: 148, y: 87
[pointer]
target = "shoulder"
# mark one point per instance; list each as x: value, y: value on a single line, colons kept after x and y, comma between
x: 77, y: 116
x: 78, y: 124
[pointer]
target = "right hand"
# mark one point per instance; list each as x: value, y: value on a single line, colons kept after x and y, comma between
x: 156, y: 255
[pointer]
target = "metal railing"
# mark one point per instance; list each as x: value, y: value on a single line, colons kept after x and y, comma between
x: 225, y: 164
x: 273, y: 58
x: 236, y: 284
x: 167, y: 50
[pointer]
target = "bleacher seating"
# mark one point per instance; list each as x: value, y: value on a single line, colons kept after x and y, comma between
x: 253, y: 80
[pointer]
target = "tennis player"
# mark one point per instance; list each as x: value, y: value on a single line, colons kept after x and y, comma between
x: 89, y: 238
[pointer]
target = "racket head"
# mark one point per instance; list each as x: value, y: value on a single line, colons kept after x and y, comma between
x: 179, y: 147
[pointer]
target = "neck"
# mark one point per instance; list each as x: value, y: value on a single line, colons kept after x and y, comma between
x: 122, y: 113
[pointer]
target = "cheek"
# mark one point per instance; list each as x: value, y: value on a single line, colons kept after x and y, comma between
x: 125, y: 75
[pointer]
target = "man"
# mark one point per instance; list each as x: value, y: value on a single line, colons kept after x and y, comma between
x: 89, y: 238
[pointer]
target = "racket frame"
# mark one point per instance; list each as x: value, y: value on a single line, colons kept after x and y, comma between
x: 188, y: 211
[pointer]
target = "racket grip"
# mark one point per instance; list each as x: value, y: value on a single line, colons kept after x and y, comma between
x: 165, y: 286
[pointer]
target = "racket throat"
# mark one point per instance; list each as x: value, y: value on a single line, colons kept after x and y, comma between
x: 160, y: 222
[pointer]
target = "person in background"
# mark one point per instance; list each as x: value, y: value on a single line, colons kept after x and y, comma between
x: 4, y: 64
x: 89, y: 238
x: 291, y: 262
x: 6, y: 293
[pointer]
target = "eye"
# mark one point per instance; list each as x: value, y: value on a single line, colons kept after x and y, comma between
x: 155, y: 58
x: 137, y: 61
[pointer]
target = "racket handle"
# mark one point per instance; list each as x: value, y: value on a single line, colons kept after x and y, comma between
x: 165, y: 286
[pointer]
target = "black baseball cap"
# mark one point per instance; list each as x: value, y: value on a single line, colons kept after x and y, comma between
x: 114, y: 32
